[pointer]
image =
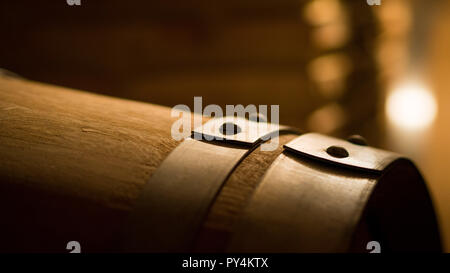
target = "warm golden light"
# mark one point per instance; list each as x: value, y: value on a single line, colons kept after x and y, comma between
x: 411, y: 106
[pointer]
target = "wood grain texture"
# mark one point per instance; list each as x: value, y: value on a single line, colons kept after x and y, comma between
x: 233, y: 198
x: 72, y: 165
x: 51, y: 135
x: 73, y: 162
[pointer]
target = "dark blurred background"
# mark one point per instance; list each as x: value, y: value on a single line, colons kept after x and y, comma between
x: 301, y: 55
x: 337, y: 67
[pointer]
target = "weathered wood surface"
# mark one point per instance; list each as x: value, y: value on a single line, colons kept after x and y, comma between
x: 72, y: 164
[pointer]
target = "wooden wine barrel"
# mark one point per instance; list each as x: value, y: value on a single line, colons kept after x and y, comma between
x: 73, y: 166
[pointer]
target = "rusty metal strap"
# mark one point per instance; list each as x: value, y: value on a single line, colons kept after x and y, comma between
x: 174, y: 202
